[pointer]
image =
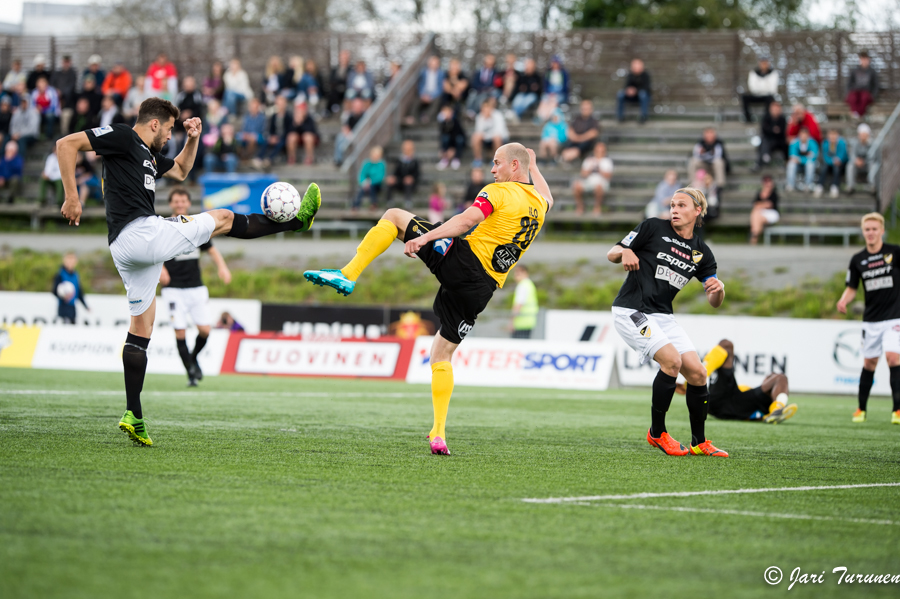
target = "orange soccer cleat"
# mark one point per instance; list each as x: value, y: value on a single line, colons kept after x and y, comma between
x: 667, y: 444
x: 707, y: 448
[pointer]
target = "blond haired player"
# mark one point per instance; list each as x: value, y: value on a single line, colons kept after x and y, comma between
x: 509, y: 213
x: 881, y: 320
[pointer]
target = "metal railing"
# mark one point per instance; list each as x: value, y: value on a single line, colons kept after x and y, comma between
x: 886, y: 164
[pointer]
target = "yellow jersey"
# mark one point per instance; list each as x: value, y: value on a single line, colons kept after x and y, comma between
x: 514, y: 214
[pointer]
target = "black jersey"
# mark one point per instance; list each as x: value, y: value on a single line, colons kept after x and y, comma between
x: 667, y: 262
x: 879, y: 280
x: 184, y: 269
x: 130, y: 171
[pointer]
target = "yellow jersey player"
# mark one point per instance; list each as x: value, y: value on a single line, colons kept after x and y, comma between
x: 508, y: 214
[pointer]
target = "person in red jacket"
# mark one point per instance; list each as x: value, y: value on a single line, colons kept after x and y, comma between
x: 117, y: 83
x: 800, y: 118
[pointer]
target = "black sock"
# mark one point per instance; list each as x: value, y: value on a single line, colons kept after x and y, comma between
x: 895, y: 386
x: 184, y: 353
x: 663, y: 390
x: 698, y: 404
x: 251, y: 226
x: 866, y: 378
x: 199, y: 344
x: 134, y: 359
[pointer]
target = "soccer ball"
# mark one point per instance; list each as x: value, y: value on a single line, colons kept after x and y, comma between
x: 65, y: 290
x: 280, y: 202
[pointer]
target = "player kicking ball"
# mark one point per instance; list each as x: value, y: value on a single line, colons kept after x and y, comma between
x: 881, y: 319
x: 661, y: 257
x: 185, y: 294
x: 139, y: 240
x: 509, y: 213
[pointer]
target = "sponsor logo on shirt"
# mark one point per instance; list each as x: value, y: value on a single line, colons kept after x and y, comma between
x: 149, y: 182
x: 880, y: 283
x: 484, y: 195
x: 678, y: 252
x: 676, y: 262
x: 667, y: 274
x: 629, y: 238
x: 442, y: 246
x: 877, y: 272
x: 677, y: 242
x: 151, y: 166
x: 98, y: 131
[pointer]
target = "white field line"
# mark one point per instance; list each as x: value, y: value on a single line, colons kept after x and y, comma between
x: 587, y: 498
x: 764, y: 515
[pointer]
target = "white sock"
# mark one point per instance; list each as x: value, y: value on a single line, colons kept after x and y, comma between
x: 782, y: 399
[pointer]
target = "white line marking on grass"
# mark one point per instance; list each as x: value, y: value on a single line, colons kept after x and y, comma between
x: 207, y: 393
x: 702, y: 493
x: 737, y: 513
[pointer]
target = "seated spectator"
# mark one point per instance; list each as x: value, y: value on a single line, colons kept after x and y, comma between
x: 51, y: 177
x: 216, y: 116
x: 86, y: 179
x: 709, y: 152
x: 371, y: 177
x: 482, y: 85
x: 405, y: 177
x: 237, y: 87
x: 109, y: 113
x: 490, y: 131
x: 303, y: 130
x: 556, y: 89
x: 15, y: 76
x: 161, y: 79
x: 529, y: 87
x: 394, y: 68
x: 278, y: 125
x: 765, y: 209
x: 90, y: 92
x: 803, y: 152
x: 38, y: 72
x: 251, y: 135
x: 473, y: 188
x: 337, y: 82
x: 553, y: 137
x: 803, y: 119
x: 345, y: 135
x: 25, y: 125
x: 456, y: 85
x: 596, y: 174
x: 277, y: 79
x: 133, y: 99
x: 834, y: 157
x: 762, y: 87
x: 452, y: 138
x: 223, y: 155
x: 360, y: 84
x: 214, y: 85
x: 858, y: 159
x: 437, y: 203
x: 94, y: 70
x: 661, y: 204
x: 430, y: 87
x: 190, y: 101
x: 11, y: 169
x: 862, y: 86
x: 506, y: 80
x: 311, y: 85
x: 582, y: 133
x: 773, y: 135
x: 83, y: 120
x: 46, y: 100
x: 635, y: 90
x: 5, y: 118
x: 65, y: 80
x: 704, y: 181
x: 117, y: 82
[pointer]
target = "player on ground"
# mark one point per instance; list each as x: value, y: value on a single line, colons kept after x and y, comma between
x: 730, y: 401
x: 661, y: 257
x: 185, y: 294
x: 139, y: 240
x: 881, y: 319
x: 509, y: 213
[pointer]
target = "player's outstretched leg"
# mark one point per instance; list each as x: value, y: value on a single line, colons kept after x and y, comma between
x: 252, y: 226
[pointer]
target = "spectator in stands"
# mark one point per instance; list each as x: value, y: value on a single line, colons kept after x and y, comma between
x: 93, y: 70
x: 862, y: 86
x: 51, y: 176
x: 117, y: 82
x: 371, y: 178
x: 223, y: 155
x: 556, y: 89
x: 15, y: 75
x: 65, y: 80
x: 214, y: 85
x: 360, y: 84
x: 277, y: 127
x: 704, y: 181
x: 660, y: 205
x: 91, y: 94
x: 553, y: 137
x: 482, y: 86
x: 506, y: 81
x: 25, y: 125
x: 437, y: 203
x: 338, y: 82
x: 582, y: 133
x: 276, y: 78
x: 529, y: 87
x: 292, y: 76
x: 83, y: 119
x: 765, y: 209
x: 773, y: 135
x: 133, y: 99
x: 189, y: 100
x: 251, y: 136
x: 709, y: 152
x: 803, y: 152
x: 303, y: 131
x: 405, y: 177
x: 5, y: 118
x: 858, y: 159
x: 237, y: 87
x: 456, y: 85
x: 430, y: 87
x: 762, y: 86
x: 350, y: 121
x: 635, y: 90
x: 46, y: 100
x: 834, y: 157
x: 161, y: 78
x: 473, y: 188
x: 596, y: 175
x: 86, y: 179
x: 39, y: 71
x: 11, y: 170
x: 311, y: 85
x: 452, y: 138
x: 109, y: 113
x: 490, y: 131
x: 394, y: 68
x: 216, y: 116
x: 803, y: 119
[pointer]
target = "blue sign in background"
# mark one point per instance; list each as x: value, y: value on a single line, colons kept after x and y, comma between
x: 239, y: 192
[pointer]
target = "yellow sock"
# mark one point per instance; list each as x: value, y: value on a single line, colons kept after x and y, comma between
x: 714, y: 359
x: 441, y: 390
x: 376, y: 241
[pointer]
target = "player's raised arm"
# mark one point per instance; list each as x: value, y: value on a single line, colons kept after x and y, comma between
x: 184, y: 162
x: 540, y: 184
x: 67, y: 149
x: 454, y: 227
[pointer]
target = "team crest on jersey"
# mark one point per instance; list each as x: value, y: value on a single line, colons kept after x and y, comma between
x: 645, y: 332
x: 185, y: 219
x: 696, y: 256
x: 888, y: 258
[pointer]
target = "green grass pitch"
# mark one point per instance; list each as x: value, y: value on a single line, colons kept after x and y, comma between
x: 289, y: 487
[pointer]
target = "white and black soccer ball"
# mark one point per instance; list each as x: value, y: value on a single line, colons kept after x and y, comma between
x: 65, y: 291
x: 280, y: 202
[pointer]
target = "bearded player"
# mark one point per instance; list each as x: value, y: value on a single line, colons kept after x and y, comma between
x: 139, y: 240
x: 508, y: 213
x: 881, y: 320
x: 661, y: 257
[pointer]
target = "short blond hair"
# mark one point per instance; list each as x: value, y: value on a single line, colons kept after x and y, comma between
x: 698, y: 197
x: 872, y: 216
x: 516, y: 151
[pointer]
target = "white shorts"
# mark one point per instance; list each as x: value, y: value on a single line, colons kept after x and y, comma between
x: 648, y: 333
x: 145, y: 243
x: 193, y: 301
x: 771, y: 216
x: 595, y: 179
x: 880, y: 337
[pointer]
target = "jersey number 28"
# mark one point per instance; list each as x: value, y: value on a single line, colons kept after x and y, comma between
x: 526, y: 234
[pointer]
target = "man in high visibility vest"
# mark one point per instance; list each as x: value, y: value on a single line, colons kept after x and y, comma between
x: 525, y: 304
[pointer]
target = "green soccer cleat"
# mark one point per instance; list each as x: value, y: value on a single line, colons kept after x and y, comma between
x: 135, y: 429
x: 331, y: 278
x: 859, y: 416
x: 309, y: 206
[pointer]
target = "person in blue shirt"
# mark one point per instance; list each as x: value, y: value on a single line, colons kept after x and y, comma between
x: 804, y: 151
x: 371, y: 178
x: 553, y: 137
x: 11, y: 168
x: 67, y: 273
x: 252, y: 134
x: 834, y: 157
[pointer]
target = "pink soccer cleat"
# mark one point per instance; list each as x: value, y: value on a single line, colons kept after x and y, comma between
x: 439, y: 447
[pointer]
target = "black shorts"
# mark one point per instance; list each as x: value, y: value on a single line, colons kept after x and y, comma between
x: 465, y: 289
x: 728, y: 402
